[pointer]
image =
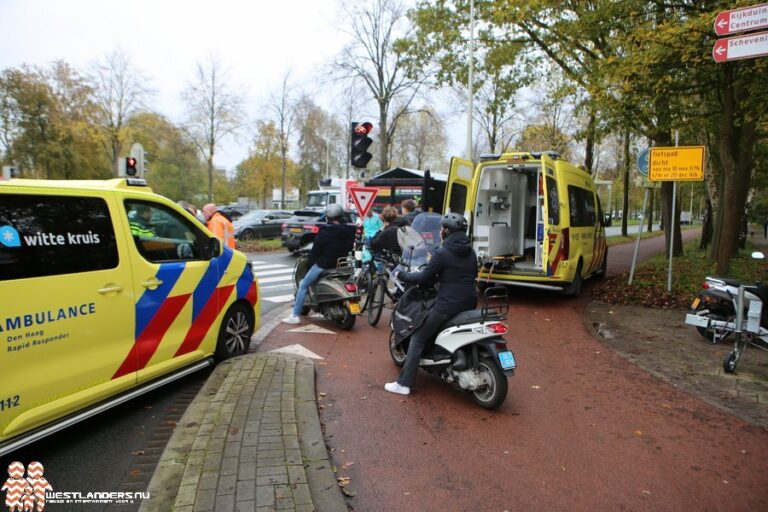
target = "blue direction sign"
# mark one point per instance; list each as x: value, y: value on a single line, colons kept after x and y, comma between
x: 642, y: 163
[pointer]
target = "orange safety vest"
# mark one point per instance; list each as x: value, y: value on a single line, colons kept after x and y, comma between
x: 223, y: 229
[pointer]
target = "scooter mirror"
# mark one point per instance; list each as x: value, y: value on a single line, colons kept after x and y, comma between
x: 757, y: 255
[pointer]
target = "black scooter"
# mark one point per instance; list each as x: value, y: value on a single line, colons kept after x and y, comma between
x: 334, y: 295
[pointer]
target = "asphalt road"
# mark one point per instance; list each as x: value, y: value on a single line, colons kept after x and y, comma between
x: 275, y: 273
x: 581, y: 429
x: 114, y: 451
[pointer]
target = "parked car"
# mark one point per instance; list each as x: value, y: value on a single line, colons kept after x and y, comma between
x: 234, y: 211
x: 260, y: 224
x: 300, y: 230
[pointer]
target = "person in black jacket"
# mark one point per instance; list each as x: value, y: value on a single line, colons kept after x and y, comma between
x: 409, y: 210
x: 454, y: 266
x: 386, y: 239
x: 333, y: 241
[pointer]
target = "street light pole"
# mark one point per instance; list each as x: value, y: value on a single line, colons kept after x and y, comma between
x: 470, y: 87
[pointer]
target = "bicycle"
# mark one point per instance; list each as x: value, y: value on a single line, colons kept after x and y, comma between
x: 365, y: 280
x: 380, y: 291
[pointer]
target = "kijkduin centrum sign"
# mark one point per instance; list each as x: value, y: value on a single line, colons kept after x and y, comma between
x: 684, y: 163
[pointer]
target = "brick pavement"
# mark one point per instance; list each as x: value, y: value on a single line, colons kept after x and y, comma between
x: 250, y: 441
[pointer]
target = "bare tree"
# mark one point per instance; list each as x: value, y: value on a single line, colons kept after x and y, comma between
x: 284, y: 110
x: 372, y: 60
x: 214, y: 111
x: 119, y: 90
x: 422, y: 141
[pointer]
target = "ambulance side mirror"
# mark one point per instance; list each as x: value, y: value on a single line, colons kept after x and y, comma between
x: 214, y: 248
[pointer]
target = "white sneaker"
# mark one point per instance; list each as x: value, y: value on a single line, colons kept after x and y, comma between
x: 292, y: 319
x: 394, y: 387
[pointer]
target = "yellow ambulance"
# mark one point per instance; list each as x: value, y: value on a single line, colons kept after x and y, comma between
x: 534, y: 219
x: 107, y: 291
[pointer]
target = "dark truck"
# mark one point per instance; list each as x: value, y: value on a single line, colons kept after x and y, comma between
x: 300, y: 229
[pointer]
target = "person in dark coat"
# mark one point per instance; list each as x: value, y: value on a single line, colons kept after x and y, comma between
x: 333, y: 241
x: 386, y: 239
x: 454, y: 267
x: 409, y: 210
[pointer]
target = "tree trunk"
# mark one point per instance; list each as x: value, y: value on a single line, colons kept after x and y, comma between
x: 706, y: 228
x: 625, y: 195
x: 736, y: 146
x: 383, y: 137
x: 651, y: 197
x: 589, y: 152
x: 210, y: 177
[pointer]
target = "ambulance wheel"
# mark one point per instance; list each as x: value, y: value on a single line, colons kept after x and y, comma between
x: 603, y: 272
x: 574, y: 289
x: 494, y: 392
x: 235, y: 332
x: 397, y: 352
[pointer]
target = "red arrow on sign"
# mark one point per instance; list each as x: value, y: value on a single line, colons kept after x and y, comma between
x: 742, y: 20
x: 741, y: 47
x: 363, y: 198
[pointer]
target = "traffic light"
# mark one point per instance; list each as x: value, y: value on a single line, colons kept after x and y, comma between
x: 360, y: 141
x: 131, y: 168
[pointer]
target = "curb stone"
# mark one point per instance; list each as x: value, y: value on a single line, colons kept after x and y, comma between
x: 180, y: 476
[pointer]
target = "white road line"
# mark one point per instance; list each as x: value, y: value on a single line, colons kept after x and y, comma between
x: 276, y: 286
x: 279, y: 298
x: 255, y: 262
x: 257, y: 268
x: 275, y: 272
x: 275, y: 279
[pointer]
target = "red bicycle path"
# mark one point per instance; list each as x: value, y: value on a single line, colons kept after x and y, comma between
x: 581, y: 429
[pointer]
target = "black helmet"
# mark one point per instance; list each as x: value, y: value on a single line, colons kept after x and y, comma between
x: 453, y: 222
x: 334, y: 212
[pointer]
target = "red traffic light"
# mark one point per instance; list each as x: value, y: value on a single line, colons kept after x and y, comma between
x: 130, y: 161
x: 363, y: 128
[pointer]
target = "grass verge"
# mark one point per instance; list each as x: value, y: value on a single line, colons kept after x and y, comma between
x: 259, y: 245
x: 649, y: 284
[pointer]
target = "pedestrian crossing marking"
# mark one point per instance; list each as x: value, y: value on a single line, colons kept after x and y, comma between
x: 276, y: 286
x: 311, y: 329
x: 279, y: 298
x: 275, y: 272
x: 297, y: 350
x: 258, y: 268
x: 275, y: 279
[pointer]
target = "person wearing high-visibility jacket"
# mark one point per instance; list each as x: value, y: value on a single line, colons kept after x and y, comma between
x: 219, y: 224
x: 141, y: 223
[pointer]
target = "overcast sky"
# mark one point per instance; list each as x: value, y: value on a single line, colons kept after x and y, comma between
x: 258, y: 41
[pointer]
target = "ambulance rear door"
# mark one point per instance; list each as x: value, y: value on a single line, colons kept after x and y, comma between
x: 548, y: 233
x: 460, y: 190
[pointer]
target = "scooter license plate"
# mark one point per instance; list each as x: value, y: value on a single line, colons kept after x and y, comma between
x: 696, y: 303
x: 354, y: 308
x: 507, y: 360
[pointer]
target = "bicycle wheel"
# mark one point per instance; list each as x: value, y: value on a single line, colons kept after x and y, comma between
x: 377, y: 302
x: 365, y: 282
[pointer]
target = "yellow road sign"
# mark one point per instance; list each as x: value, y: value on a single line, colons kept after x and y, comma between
x: 684, y: 163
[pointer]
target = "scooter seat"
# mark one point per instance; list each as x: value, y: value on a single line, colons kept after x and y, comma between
x: 338, y: 272
x: 731, y: 281
x: 465, y: 317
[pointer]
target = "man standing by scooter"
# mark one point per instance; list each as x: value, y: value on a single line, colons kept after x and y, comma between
x: 333, y: 241
x: 454, y: 266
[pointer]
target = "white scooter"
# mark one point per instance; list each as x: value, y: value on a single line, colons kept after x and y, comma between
x: 746, y: 321
x: 469, y: 350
